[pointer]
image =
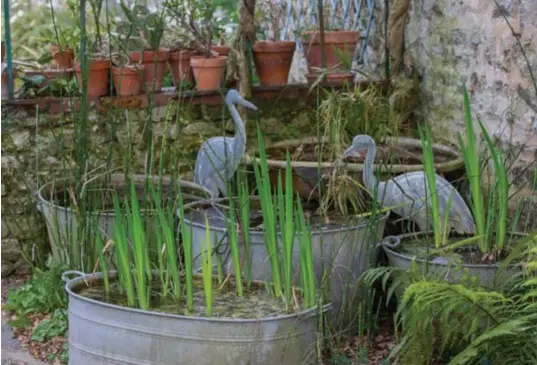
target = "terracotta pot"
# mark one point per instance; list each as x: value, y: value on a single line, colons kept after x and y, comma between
x: 97, y: 77
x: 221, y: 50
x: 344, y: 41
x: 62, y: 58
x: 180, y: 67
x: 208, y: 72
x: 273, y: 61
x: 332, y: 79
x: 128, y: 79
x: 155, y: 63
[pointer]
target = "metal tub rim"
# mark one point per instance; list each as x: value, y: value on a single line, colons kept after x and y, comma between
x: 70, y: 283
x: 388, y: 246
x: 43, y: 201
x: 314, y: 232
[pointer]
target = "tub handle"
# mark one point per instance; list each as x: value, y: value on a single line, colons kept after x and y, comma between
x: 390, y: 242
x: 71, y: 272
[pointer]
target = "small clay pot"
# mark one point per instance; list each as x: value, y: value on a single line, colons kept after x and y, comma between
x: 128, y: 79
x: 155, y: 63
x: 208, y: 72
x: 180, y: 67
x: 63, y: 58
x: 338, y: 44
x: 98, y: 70
x: 221, y: 50
x: 273, y: 61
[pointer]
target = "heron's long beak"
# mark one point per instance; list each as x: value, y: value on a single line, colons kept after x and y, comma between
x: 351, y: 152
x: 246, y: 104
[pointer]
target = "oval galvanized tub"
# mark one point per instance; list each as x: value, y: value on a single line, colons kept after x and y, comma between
x: 487, y: 275
x: 62, y: 222
x: 107, y: 334
x: 340, y: 255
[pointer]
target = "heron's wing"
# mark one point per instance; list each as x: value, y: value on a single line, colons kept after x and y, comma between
x: 410, y: 193
x: 215, y: 160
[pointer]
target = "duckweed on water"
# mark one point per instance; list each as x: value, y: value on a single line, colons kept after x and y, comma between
x: 255, y: 303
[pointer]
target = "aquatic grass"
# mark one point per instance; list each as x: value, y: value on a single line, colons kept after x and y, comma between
x: 428, y: 164
x: 233, y: 241
x: 123, y: 261
x: 244, y: 208
x: 286, y: 226
x: 490, y: 215
x: 471, y: 161
x: 186, y: 236
x: 142, y: 268
x: 307, y: 273
x: 207, y: 270
x: 165, y: 223
x: 268, y: 212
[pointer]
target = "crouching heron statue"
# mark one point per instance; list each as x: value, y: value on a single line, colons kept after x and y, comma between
x: 219, y: 157
x: 407, y: 193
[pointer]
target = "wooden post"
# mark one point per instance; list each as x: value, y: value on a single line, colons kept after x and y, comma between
x: 245, y: 37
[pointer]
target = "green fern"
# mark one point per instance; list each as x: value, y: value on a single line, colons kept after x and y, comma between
x: 475, y: 325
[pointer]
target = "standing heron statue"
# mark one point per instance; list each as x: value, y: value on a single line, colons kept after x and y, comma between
x: 407, y: 193
x: 219, y: 157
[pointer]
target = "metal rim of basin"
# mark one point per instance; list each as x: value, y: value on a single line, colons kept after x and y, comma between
x: 452, y: 165
x: 362, y: 224
x: 118, y: 178
x: 81, y: 278
x: 390, y: 242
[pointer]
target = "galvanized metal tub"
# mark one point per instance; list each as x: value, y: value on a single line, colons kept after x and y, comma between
x: 487, y: 275
x: 62, y: 221
x: 340, y: 255
x: 107, y: 334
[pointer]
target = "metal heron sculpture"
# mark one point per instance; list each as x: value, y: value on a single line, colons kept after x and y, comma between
x: 219, y: 157
x: 407, y: 193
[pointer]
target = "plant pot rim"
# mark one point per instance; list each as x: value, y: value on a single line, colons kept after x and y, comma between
x: 116, y: 180
x: 274, y: 47
x: 384, y: 243
x: 94, y: 63
x: 182, y: 55
x: 331, y: 37
x: 344, y: 228
x: 454, y: 164
x: 131, y: 68
x: 202, y: 61
x: 112, y: 274
x: 147, y: 55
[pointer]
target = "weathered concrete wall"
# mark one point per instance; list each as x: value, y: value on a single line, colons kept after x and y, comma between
x: 36, y: 153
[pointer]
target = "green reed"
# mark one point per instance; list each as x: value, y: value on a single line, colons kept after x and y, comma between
x: 490, y: 216
x: 123, y: 260
x: 207, y: 271
x: 268, y: 212
x: 234, y: 243
x: 244, y: 208
x: 286, y: 220
x: 307, y: 273
x: 498, y: 198
x: 186, y: 235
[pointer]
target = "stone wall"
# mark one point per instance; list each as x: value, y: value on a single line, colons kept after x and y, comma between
x: 36, y: 150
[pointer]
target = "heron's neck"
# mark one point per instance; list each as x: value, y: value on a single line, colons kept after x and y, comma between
x: 368, y: 175
x: 239, y: 145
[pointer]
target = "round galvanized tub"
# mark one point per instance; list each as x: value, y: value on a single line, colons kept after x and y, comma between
x: 107, y: 334
x: 487, y: 275
x: 309, y: 175
x: 62, y: 222
x: 340, y: 255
